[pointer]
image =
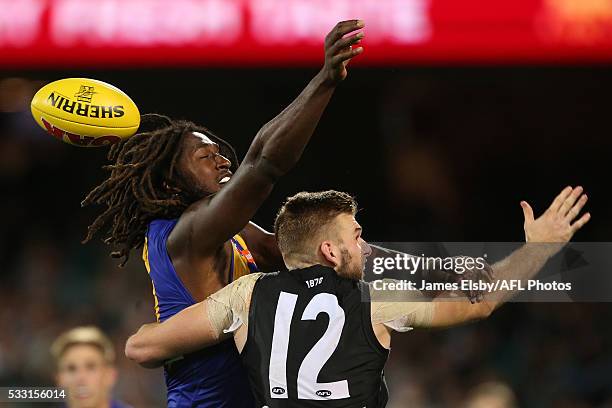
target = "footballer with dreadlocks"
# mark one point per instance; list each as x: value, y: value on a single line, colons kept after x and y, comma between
x: 176, y: 190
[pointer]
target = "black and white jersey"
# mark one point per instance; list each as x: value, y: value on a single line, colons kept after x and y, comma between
x: 311, y: 344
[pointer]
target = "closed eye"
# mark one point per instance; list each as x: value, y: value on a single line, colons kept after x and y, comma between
x: 210, y: 154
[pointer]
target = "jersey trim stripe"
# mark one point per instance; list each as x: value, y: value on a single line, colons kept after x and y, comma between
x: 145, y: 258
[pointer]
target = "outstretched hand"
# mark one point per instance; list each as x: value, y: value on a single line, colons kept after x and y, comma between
x: 339, y: 49
x: 557, y: 223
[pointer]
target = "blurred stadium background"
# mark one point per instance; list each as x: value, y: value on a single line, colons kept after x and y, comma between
x: 457, y: 110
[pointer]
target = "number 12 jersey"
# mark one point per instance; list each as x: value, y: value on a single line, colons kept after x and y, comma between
x: 310, y: 342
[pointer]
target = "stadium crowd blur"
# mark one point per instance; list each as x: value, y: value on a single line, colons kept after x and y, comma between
x: 431, y: 155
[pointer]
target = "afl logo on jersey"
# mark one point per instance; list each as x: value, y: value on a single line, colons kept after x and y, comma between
x: 278, y: 390
x: 324, y: 393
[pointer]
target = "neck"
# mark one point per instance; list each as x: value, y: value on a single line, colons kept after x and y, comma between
x: 300, y: 265
x: 306, y: 260
x: 303, y: 264
x: 105, y: 403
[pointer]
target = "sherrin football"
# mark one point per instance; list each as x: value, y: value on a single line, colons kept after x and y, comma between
x: 85, y: 112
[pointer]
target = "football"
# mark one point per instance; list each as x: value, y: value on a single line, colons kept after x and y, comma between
x: 85, y: 112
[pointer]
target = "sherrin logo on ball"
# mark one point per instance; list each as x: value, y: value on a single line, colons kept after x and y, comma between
x: 85, y: 112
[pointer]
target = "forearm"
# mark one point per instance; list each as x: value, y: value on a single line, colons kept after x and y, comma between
x: 138, y: 349
x: 282, y: 140
x: 522, y: 265
x: 545, y: 236
x: 187, y: 331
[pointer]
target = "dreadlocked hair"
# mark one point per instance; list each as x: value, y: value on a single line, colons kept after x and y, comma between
x: 145, y: 183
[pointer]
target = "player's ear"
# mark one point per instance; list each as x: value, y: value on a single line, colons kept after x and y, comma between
x: 330, y: 252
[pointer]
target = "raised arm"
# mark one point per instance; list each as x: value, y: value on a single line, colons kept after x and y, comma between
x: 274, y: 151
x: 545, y: 236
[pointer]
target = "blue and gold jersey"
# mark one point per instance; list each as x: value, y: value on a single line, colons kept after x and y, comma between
x: 212, y: 377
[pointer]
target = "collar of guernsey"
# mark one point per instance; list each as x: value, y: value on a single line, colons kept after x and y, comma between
x: 170, y: 295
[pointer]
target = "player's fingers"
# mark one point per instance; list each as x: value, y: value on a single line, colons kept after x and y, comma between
x: 556, y: 204
x: 527, y: 212
x: 580, y: 223
x: 341, y: 29
x: 345, y: 43
x: 346, y: 55
x: 569, y: 202
x: 573, y: 213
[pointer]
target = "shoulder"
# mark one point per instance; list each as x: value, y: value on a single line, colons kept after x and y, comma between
x: 235, y: 298
x: 241, y: 241
x: 157, y: 234
x: 246, y: 282
x: 237, y: 295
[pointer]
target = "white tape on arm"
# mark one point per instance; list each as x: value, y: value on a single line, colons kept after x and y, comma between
x: 228, y: 308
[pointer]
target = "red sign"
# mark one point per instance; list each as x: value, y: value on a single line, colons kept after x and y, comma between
x: 77, y: 33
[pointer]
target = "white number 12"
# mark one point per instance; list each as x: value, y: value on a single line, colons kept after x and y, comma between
x: 307, y: 385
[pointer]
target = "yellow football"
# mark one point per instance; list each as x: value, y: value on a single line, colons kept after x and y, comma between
x: 85, y: 112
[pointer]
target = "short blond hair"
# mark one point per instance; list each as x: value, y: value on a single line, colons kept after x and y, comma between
x: 482, y: 394
x: 88, y: 335
x: 305, y: 215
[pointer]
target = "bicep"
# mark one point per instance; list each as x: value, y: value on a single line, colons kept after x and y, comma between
x: 403, y: 310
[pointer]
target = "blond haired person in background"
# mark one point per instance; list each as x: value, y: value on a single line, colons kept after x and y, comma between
x: 85, y: 368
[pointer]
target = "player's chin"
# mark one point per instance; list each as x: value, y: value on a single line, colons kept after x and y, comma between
x: 215, y: 186
x: 85, y: 399
x: 214, y: 189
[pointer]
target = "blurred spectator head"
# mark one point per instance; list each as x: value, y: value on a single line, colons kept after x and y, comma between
x: 85, y: 366
x: 491, y: 395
